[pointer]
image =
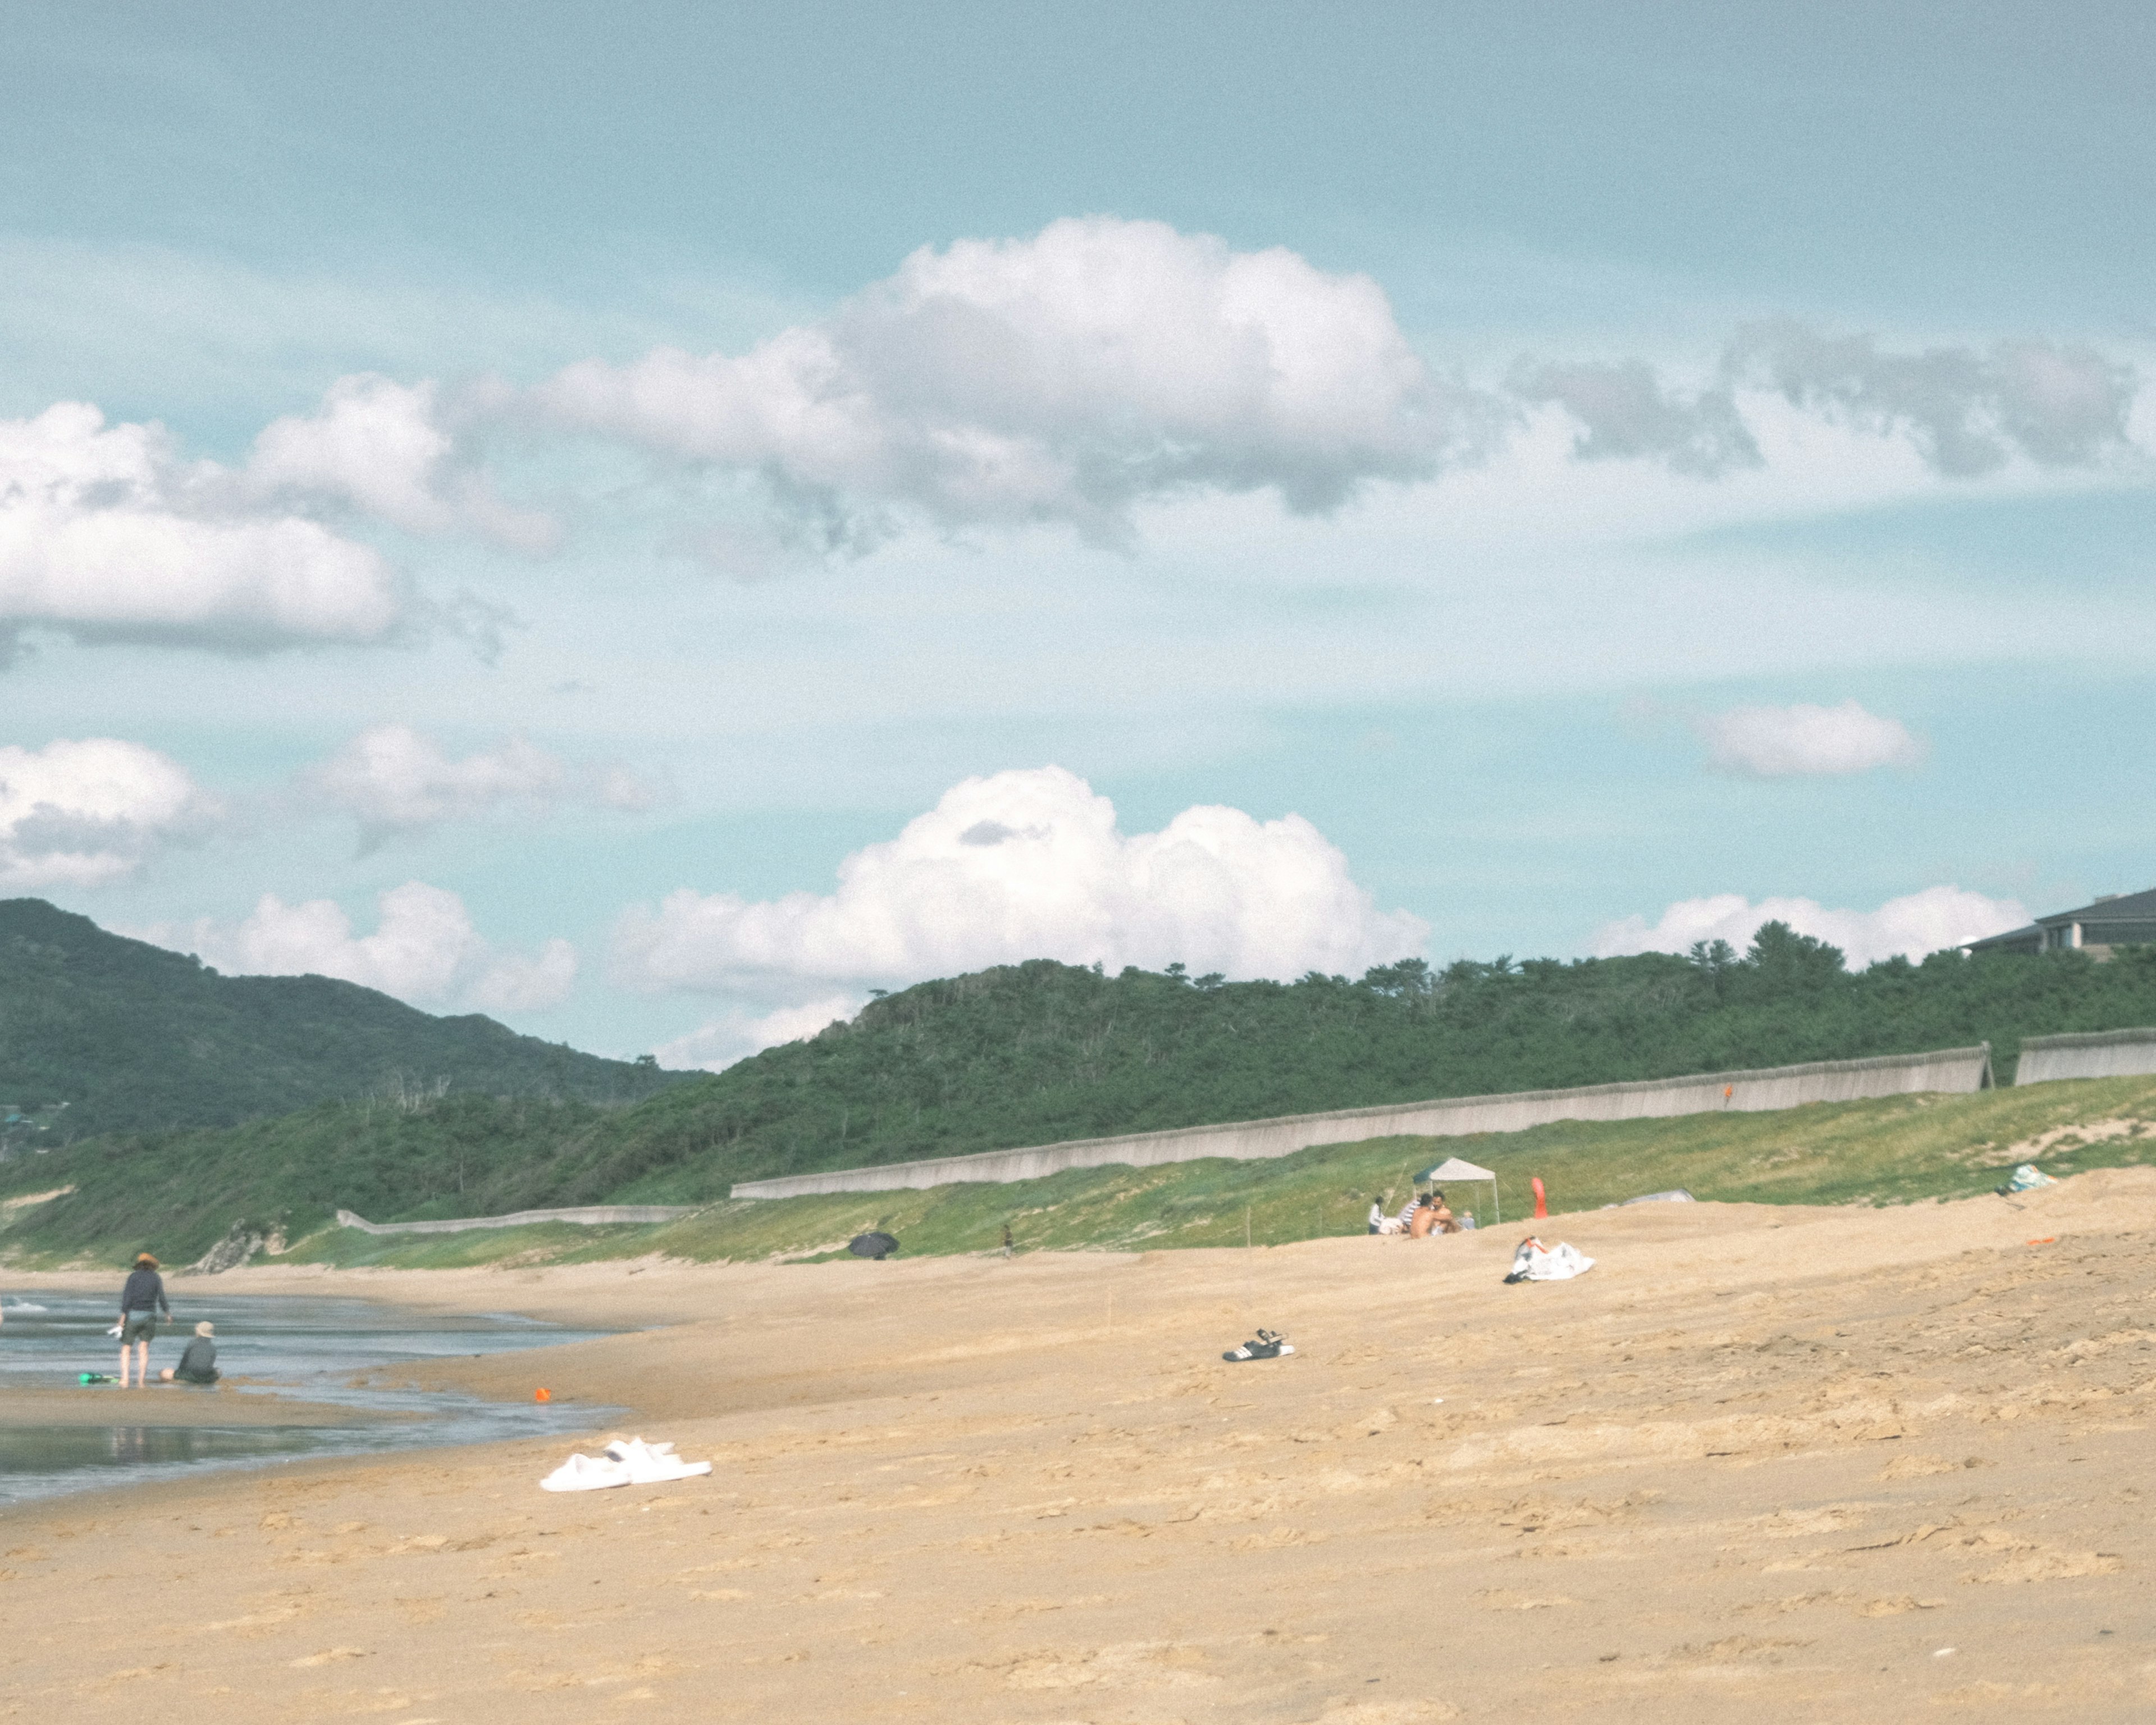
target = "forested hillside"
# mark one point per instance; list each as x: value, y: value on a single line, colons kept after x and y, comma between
x: 1037, y: 1052
x: 132, y: 1038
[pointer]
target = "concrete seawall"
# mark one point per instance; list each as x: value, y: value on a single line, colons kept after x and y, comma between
x: 2093, y: 1053
x: 590, y: 1215
x: 1953, y: 1070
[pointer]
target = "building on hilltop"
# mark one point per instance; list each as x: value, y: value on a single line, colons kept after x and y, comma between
x: 2114, y: 920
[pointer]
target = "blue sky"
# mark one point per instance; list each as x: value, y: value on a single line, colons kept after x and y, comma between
x: 654, y: 495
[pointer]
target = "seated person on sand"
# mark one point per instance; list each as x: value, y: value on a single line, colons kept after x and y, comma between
x: 198, y: 1359
x: 1380, y: 1223
x: 1432, y: 1216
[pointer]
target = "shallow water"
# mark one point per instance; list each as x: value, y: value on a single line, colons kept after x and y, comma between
x: 312, y: 1348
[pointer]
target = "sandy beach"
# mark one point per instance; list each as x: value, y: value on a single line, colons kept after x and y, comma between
x: 1766, y: 1462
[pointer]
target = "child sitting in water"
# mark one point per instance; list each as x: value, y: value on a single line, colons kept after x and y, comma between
x: 198, y: 1359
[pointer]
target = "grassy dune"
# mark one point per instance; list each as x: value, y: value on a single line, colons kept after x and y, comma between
x: 1898, y: 1151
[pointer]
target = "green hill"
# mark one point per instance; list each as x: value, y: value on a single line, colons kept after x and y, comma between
x: 133, y: 1038
x: 1033, y: 1053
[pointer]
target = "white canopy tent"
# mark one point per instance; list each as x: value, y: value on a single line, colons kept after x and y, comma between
x: 1453, y: 1169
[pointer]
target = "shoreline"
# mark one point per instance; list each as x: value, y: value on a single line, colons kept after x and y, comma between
x: 174, y: 1406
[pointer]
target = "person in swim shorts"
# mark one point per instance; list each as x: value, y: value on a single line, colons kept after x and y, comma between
x: 140, y: 1302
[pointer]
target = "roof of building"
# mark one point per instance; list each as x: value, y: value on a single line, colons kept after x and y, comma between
x: 2137, y: 907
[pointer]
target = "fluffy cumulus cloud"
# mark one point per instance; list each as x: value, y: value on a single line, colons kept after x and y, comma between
x: 718, y: 1045
x: 385, y: 448
x: 1804, y: 741
x: 1927, y: 921
x: 105, y: 531
x: 1062, y: 377
x: 423, y: 950
x: 81, y: 813
x: 1032, y: 864
x: 394, y: 779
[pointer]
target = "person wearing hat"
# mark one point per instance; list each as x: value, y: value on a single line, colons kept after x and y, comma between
x: 198, y: 1359
x: 140, y: 1302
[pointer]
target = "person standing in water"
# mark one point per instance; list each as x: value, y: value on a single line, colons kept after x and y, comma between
x: 140, y: 1302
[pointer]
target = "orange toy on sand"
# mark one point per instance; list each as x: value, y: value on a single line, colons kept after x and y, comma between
x: 541, y: 1395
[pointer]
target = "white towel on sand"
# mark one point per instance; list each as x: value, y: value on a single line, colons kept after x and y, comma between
x: 651, y: 1464
x: 585, y: 1473
x: 624, y: 1461
x: 1535, y: 1262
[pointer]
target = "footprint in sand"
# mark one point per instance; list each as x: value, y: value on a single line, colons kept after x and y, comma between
x: 1386, y: 1712
x: 1918, y: 1467
x: 1500, y: 1598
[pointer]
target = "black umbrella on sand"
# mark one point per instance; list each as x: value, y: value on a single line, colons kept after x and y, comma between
x: 878, y: 1246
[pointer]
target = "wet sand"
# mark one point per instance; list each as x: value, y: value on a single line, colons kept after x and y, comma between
x: 176, y: 1405
x: 1761, y: 1463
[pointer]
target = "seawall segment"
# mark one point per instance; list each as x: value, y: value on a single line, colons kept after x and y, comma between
x: 590, y: 1215
x: 1954, y: 1070
x: 2089, y: 1054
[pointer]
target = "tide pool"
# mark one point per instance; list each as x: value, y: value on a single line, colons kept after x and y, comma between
x: 326, y: 1350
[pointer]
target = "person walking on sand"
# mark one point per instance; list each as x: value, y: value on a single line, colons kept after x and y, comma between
x: 140, y: 1302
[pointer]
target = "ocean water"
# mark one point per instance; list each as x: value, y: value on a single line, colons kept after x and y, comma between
x: 312, y: 1348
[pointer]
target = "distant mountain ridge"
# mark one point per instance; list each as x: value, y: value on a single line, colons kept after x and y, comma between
x: 133, y: 1038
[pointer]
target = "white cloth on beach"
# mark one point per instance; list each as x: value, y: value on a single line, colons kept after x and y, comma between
x: 1535, y: 1262
x: 585, y: 1473
x: 624, y: 1461
x: 652, y: 1464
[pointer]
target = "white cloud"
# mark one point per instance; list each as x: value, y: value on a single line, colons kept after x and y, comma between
x: 1804, y: 741
x: 625, y: 789
x: 1624, y: 411
x: 423, y: 950
x: 80, y: 813
x: 1938, y: 916
x: 1062, y: 378
x: 1031, y: 864
x: 384, y: 448
x: 1967, y: 411
x: 103, y: 531
x: 717, y: 1046
x: 394, y: 779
